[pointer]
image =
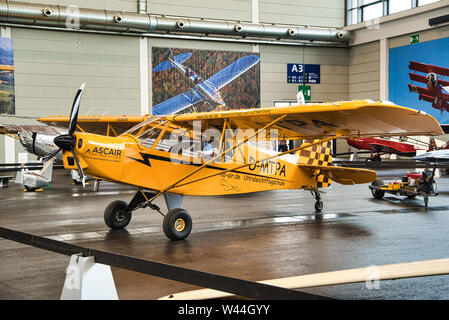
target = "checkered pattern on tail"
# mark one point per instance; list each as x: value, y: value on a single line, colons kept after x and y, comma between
x: 317, y: 155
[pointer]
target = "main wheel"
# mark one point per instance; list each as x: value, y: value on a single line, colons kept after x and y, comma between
x: 318, y: 206
x: 177, y: 224
x: 378, y: 194
x: 115, y: 215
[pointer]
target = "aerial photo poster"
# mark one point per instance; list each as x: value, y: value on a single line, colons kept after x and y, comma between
x: 186, y: 80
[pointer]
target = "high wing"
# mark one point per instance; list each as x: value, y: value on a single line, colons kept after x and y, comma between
x: 422, y: 79
x: 351, y: 118
x: 226, y: 75
x: 104, y: 125
x: 427, y: 68
x: 177, y: 103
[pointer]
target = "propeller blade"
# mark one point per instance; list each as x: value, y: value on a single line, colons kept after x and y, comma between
x: 75, y: 109
x: 80, y: 170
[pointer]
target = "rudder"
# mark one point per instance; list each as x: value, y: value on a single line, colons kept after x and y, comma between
x: 317, y: 155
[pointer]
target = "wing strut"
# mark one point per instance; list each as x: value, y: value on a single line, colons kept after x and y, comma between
x: 265, y: 159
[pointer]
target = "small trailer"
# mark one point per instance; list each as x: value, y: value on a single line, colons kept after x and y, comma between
x: 412, y: 185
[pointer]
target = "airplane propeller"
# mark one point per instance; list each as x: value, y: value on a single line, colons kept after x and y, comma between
x: 67, y: 142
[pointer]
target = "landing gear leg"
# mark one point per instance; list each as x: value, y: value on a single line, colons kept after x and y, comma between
x: 177, y: 223
x: 118, y: 214
x: 318, y: 202
x: 96, y: 185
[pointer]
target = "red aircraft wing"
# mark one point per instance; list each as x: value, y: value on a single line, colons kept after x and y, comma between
x: 420, y: 90
x: 443, y: 96
x: 427, y: 68
x: 417, y: 77
x: 421, y: 78
x: 427, y: 98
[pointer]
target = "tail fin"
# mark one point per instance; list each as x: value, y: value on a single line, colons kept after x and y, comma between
x: 317, y: 155
x: 47, y: 169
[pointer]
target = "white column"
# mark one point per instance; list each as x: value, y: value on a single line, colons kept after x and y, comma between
x: 10, y: 149
x: 384, y: 95
x: 144, y: 94
x: 255, y: 11
x: 5, y: 32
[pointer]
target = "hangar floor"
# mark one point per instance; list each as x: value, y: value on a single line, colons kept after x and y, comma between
x: 254, y: 236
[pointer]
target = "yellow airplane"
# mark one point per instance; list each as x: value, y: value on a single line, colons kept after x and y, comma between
x: 167, y: 156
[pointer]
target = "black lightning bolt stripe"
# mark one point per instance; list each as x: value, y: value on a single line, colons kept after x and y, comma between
x: 147, y: 156
x: 145, y: 160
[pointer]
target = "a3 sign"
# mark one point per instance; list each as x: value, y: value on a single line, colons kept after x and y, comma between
x: 303, y: 73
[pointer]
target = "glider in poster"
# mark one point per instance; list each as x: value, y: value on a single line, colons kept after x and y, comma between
x: 433, y: 93
x: 207, y: 90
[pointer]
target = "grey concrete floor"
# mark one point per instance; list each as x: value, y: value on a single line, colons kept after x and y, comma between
x: 257, y: 236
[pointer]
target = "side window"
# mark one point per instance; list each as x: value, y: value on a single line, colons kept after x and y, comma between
x: 148, y: 138
x: 165, y: 143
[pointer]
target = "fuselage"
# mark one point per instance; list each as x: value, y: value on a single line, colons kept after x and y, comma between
x: 203, y: 87
x: 39, y: 144
x: 124, y: 159
x: 382, y: 145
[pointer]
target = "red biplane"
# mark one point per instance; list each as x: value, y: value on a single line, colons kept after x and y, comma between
x: 433, y: 93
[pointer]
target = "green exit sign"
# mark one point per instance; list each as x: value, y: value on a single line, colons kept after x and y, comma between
x: 414, y: 38
x: 306, y: 91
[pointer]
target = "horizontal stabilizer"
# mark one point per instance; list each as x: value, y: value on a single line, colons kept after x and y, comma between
x: 343, y: 175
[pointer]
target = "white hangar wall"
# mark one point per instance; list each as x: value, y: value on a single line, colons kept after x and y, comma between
x: 50, y: 65
x: 369, y: 47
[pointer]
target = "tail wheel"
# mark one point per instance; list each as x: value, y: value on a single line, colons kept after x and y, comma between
x: 115, y: 215
x: 378, y: 194
x: 177, y: 224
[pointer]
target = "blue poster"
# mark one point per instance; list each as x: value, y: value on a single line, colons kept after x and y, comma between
x: 7, y: 97
x: 419, y: 77
x: 303, y: 73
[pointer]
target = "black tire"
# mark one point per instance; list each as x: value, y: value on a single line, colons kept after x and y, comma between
x: 411, y: 196
x: 115, y: 216
x: 177, y: 224
x: 319, y: 206
x: 378, y: 194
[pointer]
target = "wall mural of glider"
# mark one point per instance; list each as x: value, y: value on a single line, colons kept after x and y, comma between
x: 7, y: 97
x: 419, y: 77
x: 203, y: 80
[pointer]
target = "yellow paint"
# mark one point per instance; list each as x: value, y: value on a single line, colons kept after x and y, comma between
x: 124, y: 159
